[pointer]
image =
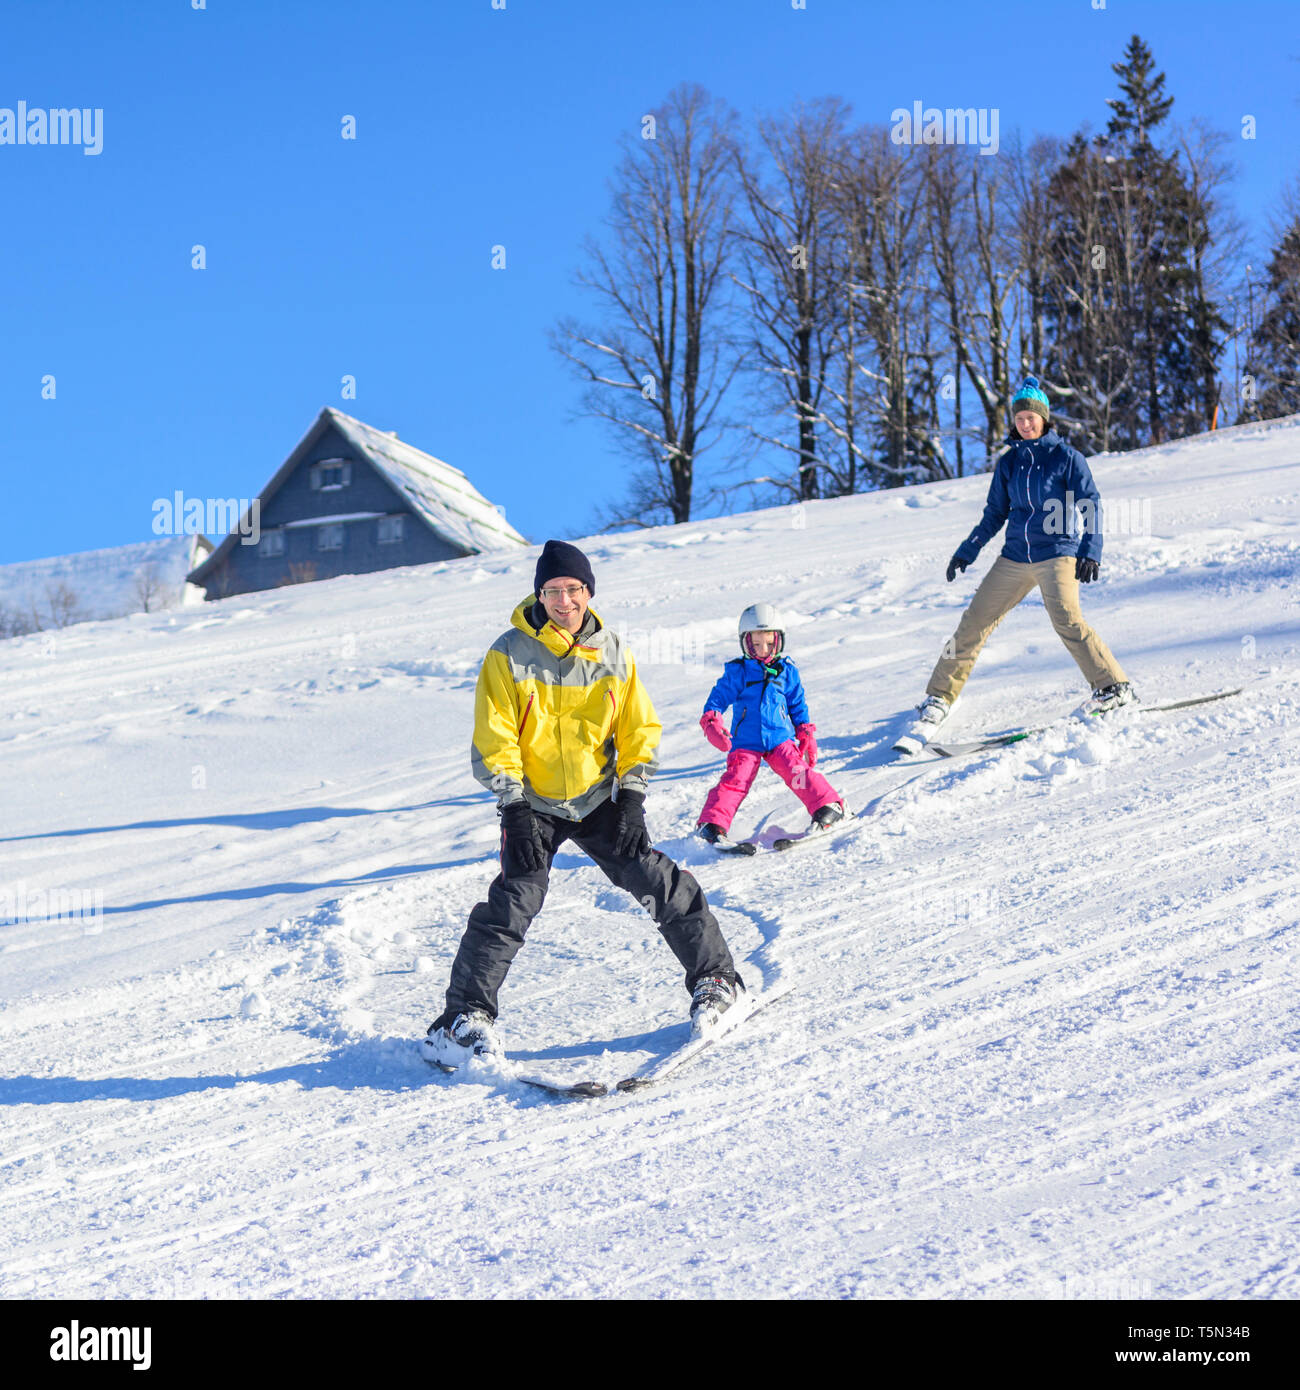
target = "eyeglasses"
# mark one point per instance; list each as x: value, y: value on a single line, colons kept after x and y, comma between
x: 572, y: 592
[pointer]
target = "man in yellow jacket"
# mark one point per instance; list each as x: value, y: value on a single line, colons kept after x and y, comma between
x: 565, y: 735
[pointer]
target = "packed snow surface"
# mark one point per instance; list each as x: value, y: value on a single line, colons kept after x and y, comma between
x: 1042, y: 1041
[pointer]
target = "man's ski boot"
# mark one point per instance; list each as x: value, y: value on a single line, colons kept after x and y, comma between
x: 456, y: 1037
x: 1109, y: 697
x: 712, y: 997
x: 930, y: 713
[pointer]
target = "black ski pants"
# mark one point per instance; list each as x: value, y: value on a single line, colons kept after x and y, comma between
x: 671, y: 894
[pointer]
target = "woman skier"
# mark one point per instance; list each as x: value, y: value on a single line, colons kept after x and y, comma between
x: 771, y: 724
x: 1038, y: 482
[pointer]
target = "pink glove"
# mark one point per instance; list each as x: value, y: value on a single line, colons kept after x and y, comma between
x: 807, y: 743
x: 715, y: 730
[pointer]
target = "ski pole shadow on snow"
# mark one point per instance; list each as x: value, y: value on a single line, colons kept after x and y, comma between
x: 370, y: 1064
x: 266, y: 890
x: 253, y: 820
x: 363, y: 1066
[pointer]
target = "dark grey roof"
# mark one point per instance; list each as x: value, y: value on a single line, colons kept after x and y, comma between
x: 442, y: 496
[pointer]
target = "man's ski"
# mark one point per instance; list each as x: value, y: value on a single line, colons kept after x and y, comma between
x: 576, y: 1089
x: 938, y: 751
x: 581, y: 1089
x: 656, y: 1071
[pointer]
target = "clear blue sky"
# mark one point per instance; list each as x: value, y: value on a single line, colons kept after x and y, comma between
x: 371, y: 258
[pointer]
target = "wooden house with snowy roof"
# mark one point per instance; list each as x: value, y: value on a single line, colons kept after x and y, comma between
x: 350, y: 500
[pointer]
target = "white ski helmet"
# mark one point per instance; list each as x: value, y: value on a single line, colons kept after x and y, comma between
x: 760, y: 617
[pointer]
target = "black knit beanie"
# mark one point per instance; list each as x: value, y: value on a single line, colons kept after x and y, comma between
x: 560, y: 558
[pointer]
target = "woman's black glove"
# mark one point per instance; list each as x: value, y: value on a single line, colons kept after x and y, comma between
x: 521, y: 840
x: 955, y: 564
x: 631, y: 839
x: 1085, y: 571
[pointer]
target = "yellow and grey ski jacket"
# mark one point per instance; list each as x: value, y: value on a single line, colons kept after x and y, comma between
x: 558, y: 717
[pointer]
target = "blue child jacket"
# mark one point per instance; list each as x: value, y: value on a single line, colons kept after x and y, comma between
x: 769, y: 701
x: 1043, y: 490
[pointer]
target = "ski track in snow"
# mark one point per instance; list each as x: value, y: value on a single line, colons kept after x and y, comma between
x: 1042, y: 1042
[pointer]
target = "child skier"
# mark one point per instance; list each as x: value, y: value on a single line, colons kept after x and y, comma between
x: 771, y: 725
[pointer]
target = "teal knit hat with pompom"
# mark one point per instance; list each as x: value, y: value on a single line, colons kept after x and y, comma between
x: 1031, y: 396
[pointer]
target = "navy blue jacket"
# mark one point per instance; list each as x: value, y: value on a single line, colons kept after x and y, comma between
x: 769, y: 701
x: 1043, y: 490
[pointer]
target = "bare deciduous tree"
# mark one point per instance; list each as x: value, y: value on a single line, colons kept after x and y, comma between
x: 62, y: 604
x: 148, y: 590
x: 882, y: 204
x: 16, y: 623
x: 794, y: 279
x: 1216, y: 239
x: 659, y: 364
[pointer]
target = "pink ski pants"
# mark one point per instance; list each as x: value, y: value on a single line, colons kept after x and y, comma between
x: 805, y: 782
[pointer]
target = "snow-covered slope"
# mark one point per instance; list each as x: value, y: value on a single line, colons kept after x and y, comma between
x: 1042, y: 1042
x: 106, y: 583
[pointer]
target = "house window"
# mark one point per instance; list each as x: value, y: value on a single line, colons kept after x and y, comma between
x: 391, y: 529
x: 331, y: 474
x: 272, y: 543
x: 330, y: 537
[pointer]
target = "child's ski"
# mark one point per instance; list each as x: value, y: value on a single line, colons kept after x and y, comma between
x: 815, y: 834
x: 723, y: 845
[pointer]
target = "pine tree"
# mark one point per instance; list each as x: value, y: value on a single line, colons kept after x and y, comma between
x: 1274, y: 355
x: 1134, y: 334
x: 1143, y: 105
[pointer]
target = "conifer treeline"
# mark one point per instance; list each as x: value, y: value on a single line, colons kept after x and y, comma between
x: 827, y: 310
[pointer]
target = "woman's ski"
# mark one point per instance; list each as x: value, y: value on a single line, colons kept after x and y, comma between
x: 938, y: 751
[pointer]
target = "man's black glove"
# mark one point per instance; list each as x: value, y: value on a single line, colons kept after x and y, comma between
x: 955, y: 564
x: 521, y: 840
x: 631, y: 839
x: 1085, y: 571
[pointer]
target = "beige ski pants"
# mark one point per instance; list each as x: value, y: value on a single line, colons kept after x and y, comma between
x: 1000, y: 590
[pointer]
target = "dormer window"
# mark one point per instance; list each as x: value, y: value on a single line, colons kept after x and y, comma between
x: 331, y: 474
